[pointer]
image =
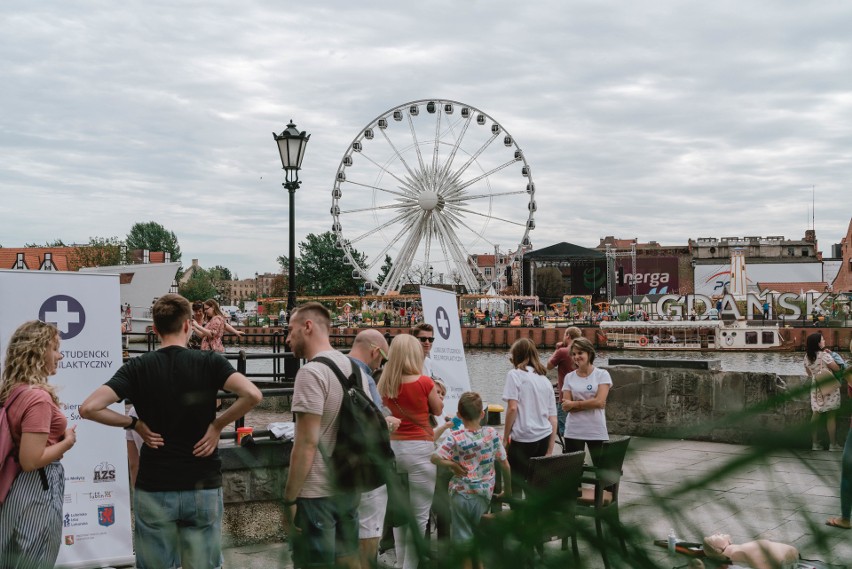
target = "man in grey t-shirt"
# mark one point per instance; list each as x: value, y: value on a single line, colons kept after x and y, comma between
x: 313, y: 504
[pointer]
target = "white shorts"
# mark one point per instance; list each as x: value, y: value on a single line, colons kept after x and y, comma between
x: 371, y: 513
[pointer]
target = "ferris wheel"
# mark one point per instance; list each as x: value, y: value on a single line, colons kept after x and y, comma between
x: 428, y: 184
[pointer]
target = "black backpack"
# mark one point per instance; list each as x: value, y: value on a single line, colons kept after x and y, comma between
x: 362, y: 459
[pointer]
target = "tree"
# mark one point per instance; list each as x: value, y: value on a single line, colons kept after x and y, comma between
x: 154, y: 237
x: 320, y: 268
x: 221, y: 273
x: 200, y: 286
x: 100, y: 252
x: 385, y: 270
x: 54, y: 243
x: 548, y: 284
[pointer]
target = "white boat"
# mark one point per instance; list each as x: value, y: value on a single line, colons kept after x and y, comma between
x: 140, y: 285
x: 708, y: 335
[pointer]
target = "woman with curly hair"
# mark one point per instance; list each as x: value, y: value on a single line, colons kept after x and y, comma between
x: 31, y: 516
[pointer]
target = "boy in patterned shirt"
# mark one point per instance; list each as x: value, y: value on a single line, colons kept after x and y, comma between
x: 470, y: 453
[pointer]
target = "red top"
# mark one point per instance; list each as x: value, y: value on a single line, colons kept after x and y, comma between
x: 35, y: 412
x: 564, y: 363
x: 411, y: 406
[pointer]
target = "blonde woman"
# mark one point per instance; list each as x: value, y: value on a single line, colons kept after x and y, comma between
x: 411, y: 397
x: 31, y: 516
x: 530, y: 429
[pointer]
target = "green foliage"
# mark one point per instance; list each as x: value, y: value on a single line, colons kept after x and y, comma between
x: 385, y: 270
x: 221, y: 273
x: 154, y: 237
x: 54, y: 243
x: 200, y: 286
x: 320, y: 269
x: 548, y: 284
x: 100, y: 252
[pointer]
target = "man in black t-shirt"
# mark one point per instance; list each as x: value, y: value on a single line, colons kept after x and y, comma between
x: 178, y: 494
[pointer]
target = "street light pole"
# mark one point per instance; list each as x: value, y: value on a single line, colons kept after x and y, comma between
x: 291, y: 147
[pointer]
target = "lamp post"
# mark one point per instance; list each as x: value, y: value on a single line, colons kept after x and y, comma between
x: 291, y: 147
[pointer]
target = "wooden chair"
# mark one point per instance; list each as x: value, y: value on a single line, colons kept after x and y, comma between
x: 545, y: 514
x: 552, y: 494
x: 600, y: 500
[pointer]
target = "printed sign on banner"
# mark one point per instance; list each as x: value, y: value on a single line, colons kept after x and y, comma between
x: 447, y: 355
x: 84, y: 308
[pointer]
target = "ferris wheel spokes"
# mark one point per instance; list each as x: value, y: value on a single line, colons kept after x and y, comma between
x: 464, y: 198
x: 416, y: 146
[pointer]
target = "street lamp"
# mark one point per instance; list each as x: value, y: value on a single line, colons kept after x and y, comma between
x: 291, y: 147
x: 430, y: 274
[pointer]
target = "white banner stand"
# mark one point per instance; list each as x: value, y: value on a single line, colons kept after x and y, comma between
x: 440, y: 309
x: 85, y: 309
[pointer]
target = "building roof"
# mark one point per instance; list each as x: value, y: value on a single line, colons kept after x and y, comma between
x: 796, y: 287
x: 34, y: 257
x: 563, y: 251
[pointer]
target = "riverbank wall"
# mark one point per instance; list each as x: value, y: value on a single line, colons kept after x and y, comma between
x: 712, y: 405
x: 544, y: 337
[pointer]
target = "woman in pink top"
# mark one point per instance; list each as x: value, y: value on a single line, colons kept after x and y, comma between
x: 211, y: 333
x: 31, y: 515
x: 411, y: 397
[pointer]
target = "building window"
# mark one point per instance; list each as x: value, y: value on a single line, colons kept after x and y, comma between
x: 487, y: 272
x: 791, y: 252
x: 768, y: 337
x: 751, y: 338
x: 804, y: 252
x: 19, y: 262
x: 47, y: 265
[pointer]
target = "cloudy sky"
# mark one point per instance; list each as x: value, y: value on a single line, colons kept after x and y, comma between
x: 663, y: 120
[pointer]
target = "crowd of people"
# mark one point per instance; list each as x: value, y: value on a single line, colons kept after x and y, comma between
x: 447, y: 457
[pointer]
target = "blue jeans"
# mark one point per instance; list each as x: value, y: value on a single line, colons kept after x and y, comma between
x: 846, y: 479
x: 467, y: 510
x: 329, y: 529
x: 179, y: 528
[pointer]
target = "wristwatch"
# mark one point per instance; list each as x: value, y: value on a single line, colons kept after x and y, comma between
x: 132, y: 425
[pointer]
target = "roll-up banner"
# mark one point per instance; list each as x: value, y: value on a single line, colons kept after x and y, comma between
x: 85, y: 309
x: 440, y: 309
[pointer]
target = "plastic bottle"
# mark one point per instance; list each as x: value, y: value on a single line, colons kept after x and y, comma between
x: 672, y: 540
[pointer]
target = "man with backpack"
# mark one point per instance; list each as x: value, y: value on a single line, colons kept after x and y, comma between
x: 322, y: 518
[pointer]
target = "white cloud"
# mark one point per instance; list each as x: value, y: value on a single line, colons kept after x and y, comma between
x: 663, y: 121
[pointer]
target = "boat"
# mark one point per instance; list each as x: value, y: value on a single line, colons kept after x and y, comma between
x: 693, y: 335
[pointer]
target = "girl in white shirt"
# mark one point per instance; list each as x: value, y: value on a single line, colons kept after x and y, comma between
x: 530, y: 429
x: 584, y: 396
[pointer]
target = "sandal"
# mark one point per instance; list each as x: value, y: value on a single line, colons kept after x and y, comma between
x: 837, y: 523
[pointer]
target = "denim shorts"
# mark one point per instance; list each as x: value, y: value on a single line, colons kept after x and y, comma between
x: 329, y: 529
x: 178, y: 528
x: 467, y: 510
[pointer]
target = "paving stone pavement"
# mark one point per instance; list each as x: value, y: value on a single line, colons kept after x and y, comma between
x: 699, y: 488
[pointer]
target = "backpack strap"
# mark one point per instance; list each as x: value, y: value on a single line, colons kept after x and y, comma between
x: 353, y: 380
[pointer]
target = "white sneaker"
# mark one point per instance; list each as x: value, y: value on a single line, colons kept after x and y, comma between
x: 835, y: 448
x: 816, y: 446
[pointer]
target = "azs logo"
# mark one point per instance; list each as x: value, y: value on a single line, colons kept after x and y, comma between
x: 104, y: 472
x: 64, y: 311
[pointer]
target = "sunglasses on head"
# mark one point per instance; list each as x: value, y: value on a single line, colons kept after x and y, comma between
x: 381, y: 351
x: 424, y: 339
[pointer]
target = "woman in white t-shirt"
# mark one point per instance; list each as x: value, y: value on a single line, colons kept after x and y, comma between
x: 530, y: 429
x: 584, y: 396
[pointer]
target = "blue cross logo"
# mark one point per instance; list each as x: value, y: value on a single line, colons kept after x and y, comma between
x: 443, y: 322
x: 64, y: 311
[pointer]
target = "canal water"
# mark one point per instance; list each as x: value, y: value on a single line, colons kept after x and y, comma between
x: 488, y: 368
